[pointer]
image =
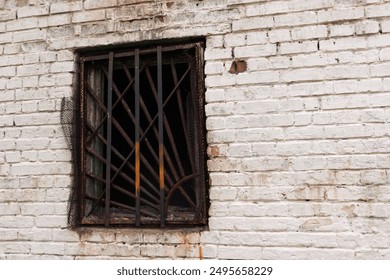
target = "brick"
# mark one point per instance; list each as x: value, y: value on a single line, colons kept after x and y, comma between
x: 255, y: 51
x: 299, y: 47
x: 302, y: 75
x: 32, y: 11
x: 382, y: 40
x: 88, y: 16
x: 295, y: 19
x: 341, y: 30
x: 378, y: 11
x: 234, y: 40
x: 61, y: 7
x: 310, y: 32
x: 56, y: 20
x: 61, y: 67
x: 385, y: 26
x: 343, y: 72
x: 215, y: 54
x: 279, y: 35
x: 253, y: 23
x: 91, y: 4
x: 7, y: 15
x: 340, y: 14
x: 367, y: 27
x: 32, y: 70
x: 254, y: 37
x: 22, y: 24
x: 343, y: 44
x: 380, y: 70
x: 214, y: 68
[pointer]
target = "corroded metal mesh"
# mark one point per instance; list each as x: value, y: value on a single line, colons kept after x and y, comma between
x: 68, y: 116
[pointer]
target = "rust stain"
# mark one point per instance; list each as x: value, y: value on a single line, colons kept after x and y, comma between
x: 214, y: 151
x: 200, y: 252
x: 161, y: 156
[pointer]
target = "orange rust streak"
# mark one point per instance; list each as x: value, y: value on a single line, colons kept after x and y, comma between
x: 137, y: 169
x: 161, y: 156
x: 200, y: 252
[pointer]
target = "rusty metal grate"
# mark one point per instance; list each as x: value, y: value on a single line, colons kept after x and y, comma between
x: 142, y: 147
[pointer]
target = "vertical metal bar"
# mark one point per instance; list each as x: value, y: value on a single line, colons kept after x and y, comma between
x: 202, y: 205
x: 137, y: 147
x: 82, y: 139
x: 160, y: 133
x: 109, y: 128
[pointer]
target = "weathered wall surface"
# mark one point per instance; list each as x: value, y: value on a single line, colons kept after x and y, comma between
x: 299, y: 142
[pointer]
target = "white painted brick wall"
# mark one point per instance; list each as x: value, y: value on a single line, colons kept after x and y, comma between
x: 298, y: 143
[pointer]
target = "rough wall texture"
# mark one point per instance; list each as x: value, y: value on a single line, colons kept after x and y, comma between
x: 298, y: 142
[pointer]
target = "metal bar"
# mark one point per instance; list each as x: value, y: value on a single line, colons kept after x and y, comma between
x: 126, y: 192
x: 143, y: 51
x: 137, y: 136
x: 124, y: 134
x: 161, y: 133
x: 182, y: 115
x: 121, y: 157
x: 200, y: 125
x: 82, y: 137
x: 166, y: 154
x: 131, y: 84
x: 155, y: 118
x: 122, y: 174
x: 90, y: 197
x: 149, y: 118
x: 116, y: 169
x: 109, y: 132
x: 177, y: 185
x: 173, y: 145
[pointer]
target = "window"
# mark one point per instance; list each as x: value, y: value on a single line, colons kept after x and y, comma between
x: 142, y: 146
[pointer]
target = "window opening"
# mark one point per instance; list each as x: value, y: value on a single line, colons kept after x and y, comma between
x: 142, y: 137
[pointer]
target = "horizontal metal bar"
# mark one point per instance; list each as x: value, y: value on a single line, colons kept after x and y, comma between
x: 143, y: 51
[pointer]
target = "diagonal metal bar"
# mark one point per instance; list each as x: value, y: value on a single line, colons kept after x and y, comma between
x: 118, y: 188
x: 121, y: 95
x: 121, y: 157
x: 173, y: 145
x: 167, y: 156
x: 167, y: 127
x: 147, y: 213
x: 149, y: 118
x: 120, y: 98
x: 124, y: 134
x: 182, y: 115
x: 155, y: 118
x: 122, y: 174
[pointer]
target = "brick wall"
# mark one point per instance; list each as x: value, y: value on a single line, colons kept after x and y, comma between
x: 298, y: 143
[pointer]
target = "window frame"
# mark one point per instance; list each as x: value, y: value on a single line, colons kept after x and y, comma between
x: 199, y: 217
